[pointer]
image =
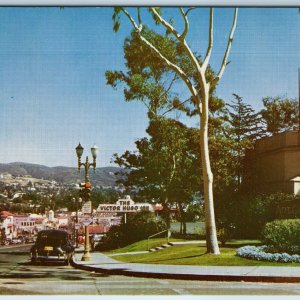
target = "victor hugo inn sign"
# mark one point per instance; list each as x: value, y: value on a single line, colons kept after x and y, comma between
x: 124, y: 206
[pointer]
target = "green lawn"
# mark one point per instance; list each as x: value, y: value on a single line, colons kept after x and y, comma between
x: 193, y: 255
x: 143, y: 245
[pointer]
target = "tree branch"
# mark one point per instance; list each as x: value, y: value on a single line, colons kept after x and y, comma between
x: 189, y: 9
x: 165, y: 23
x: 210, y: 40
x: 191, y: 55
x: 173, y: 169
x: 148, y: 106
x: 171, y: 65
x: 170, y: 109
x: 139, y: 16
x: 186, y: 24
x: 137, y: 28
x: 170, y: 85
x: 226, y: 54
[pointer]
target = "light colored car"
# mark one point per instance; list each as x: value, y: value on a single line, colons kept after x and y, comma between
x: 16, y: 240
x: 95, y: 239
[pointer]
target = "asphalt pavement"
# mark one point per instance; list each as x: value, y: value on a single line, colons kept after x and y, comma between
x: 101, y: 263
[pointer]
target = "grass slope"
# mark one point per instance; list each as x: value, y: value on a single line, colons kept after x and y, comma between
x: 143, y: 245
x: 193, y: 255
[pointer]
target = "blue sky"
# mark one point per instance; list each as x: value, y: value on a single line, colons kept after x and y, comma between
x: 52, y: 83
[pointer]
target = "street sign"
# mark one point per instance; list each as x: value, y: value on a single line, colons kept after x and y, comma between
x: 86, y: 221
x: 87, y: 207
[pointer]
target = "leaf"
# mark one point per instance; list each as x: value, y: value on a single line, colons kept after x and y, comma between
x: 155, y: 18
x: 116, y: 26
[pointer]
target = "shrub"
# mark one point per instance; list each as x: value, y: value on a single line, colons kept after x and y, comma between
x: 259, y: 253
x: 138, y: 227
x: 225, y: 233
x: 249, y: 213
x: 282, y: 236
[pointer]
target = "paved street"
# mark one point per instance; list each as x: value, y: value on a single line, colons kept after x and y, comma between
x: 19, y: 277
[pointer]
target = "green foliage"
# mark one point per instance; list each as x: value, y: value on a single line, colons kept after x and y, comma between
x: 248, y: 214
x: 116, y: 18
x: 149, y: 79
x: 282, y: 236
x: 245, y: 126
x: 103, y: 196
x: 245, y: 122
x: 233, y: 130
x: 195, y: 209
x: 155, y: 18
x: 138, y: 227
x: 166, y: 166
x: 225, y: 234
x: 280, y: 114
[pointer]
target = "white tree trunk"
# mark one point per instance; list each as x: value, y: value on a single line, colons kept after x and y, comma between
x: 211, y: 232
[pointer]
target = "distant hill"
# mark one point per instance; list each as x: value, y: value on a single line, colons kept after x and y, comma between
x: 102, y: 177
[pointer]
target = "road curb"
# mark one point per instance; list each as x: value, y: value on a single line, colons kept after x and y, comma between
x: 202, y: 277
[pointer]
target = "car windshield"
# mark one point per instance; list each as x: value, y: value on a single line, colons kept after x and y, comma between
x: 52, y: 238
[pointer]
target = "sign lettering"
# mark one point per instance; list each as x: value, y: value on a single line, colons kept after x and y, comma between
x: 124, y: 205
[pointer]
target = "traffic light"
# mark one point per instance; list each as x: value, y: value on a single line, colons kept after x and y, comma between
x: 85, y: 191
x: 82, y: 191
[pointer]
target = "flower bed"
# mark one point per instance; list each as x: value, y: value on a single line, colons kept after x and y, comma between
x: 258, y: 253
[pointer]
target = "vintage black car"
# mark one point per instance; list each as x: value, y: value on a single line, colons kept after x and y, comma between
x: 52, y: 245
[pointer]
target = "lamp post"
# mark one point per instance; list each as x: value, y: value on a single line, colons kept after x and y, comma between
x: 76, y: 201
x: 79, y: 151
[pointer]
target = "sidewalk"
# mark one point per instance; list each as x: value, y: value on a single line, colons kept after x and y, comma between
x: 101, y: 263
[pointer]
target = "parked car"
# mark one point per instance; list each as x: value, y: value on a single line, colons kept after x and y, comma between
x: 52, y: 245
x: 95, y: 240
x: 17, y: 240
x: 30, y: 239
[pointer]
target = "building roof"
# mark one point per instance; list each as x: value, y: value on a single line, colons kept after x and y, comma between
x: 6, y: 213
x: 97, y: 229
x: 296, y: 179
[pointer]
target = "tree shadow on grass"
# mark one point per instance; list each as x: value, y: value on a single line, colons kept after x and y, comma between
x: 235, y: 246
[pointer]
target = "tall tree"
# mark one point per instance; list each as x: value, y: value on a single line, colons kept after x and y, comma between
x: 245, y: 126
x: 165, y: 167
x: 280, y: 114
x: 199, y: 87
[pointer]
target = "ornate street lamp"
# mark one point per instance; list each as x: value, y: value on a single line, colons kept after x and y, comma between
x: 79, y: 151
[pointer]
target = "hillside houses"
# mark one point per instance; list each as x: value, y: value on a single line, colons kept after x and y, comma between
x: 13, y: 225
